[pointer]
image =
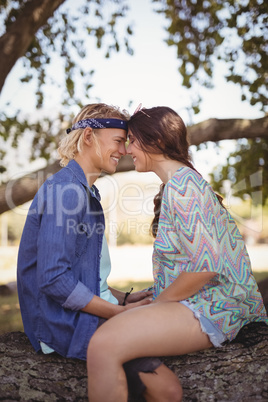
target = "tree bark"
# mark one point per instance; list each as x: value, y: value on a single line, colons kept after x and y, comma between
x: 17, y: 192
x: 15, y: 42
x: 227, y: 129
x: 235, y: 372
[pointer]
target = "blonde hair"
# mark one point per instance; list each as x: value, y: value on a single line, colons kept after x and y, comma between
x: 72, y: 143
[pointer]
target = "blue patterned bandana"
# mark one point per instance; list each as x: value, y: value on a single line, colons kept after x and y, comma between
x: 99, y: 123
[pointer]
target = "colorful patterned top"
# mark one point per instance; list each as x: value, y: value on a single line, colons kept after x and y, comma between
x: 195, y: 234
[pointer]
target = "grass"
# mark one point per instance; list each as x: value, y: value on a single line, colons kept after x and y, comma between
x: 259, y: 276
x: 10, y: 318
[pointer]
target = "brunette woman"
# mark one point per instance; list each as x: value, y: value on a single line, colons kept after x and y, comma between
x: 204, y: 290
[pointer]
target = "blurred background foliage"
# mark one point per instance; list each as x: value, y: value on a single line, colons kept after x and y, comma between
x: 246, y: 169
x: 202, y: 32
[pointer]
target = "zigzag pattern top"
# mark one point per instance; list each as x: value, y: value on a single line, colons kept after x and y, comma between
x: 196, y: 233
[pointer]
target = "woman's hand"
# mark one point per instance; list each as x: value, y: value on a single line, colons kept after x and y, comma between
x: 139, y: 303
x: 137, y: 296
x: 103, y: 308
x: 132, y: 297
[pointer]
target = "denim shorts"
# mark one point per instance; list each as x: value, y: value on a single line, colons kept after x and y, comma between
x: 216, y: 336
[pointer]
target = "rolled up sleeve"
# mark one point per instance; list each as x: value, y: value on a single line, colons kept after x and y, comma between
x: 79, y: 297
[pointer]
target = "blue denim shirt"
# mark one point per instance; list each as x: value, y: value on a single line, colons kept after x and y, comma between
x: 59, y: 263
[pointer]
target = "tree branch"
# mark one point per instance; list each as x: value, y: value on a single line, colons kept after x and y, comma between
x: 15, y: 42
x: 227, y: 129
x: 15, y: 193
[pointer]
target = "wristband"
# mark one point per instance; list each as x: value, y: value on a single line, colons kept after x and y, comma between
x: 126, y: 295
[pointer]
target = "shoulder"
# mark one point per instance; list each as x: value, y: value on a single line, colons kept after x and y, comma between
x: 188, y: 190
x: 185, y: 181
x: 64, y: 175
x: 64, y: 180
x: 62, y: 191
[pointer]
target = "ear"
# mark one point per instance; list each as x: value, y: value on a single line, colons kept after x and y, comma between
x: 87, y: 136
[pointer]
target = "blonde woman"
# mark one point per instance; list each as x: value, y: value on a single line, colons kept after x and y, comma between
x: 63, y: 260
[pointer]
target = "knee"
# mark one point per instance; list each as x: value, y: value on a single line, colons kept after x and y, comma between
x: 174, y: 392
x: 164, y: 390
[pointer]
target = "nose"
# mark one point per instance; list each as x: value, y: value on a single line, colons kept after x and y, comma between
x: 129, y: 149
x: 122, y: 149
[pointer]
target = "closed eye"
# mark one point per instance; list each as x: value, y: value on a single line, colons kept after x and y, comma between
x: 130, y: 140
x: 120, y: 140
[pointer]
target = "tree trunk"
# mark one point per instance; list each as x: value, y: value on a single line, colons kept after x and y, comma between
x: 17, y: 192
x: 236, y: 372
x: 15, y: 42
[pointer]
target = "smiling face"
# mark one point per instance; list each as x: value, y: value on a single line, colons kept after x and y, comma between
x: 109, y: 147
x: 143, y: 161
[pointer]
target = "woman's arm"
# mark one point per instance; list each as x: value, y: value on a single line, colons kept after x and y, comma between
x: 118, y: 294
x: 102, y: 308
x: 186, y: 285
x: 132, y: 297
x: 56, y: 245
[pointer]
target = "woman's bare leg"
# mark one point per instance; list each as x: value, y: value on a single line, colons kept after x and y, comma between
x: 160, y: 329
x: 163, y: 385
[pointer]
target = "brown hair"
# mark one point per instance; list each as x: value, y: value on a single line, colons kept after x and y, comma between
x: 160, y: 130
x: 71, y: 144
